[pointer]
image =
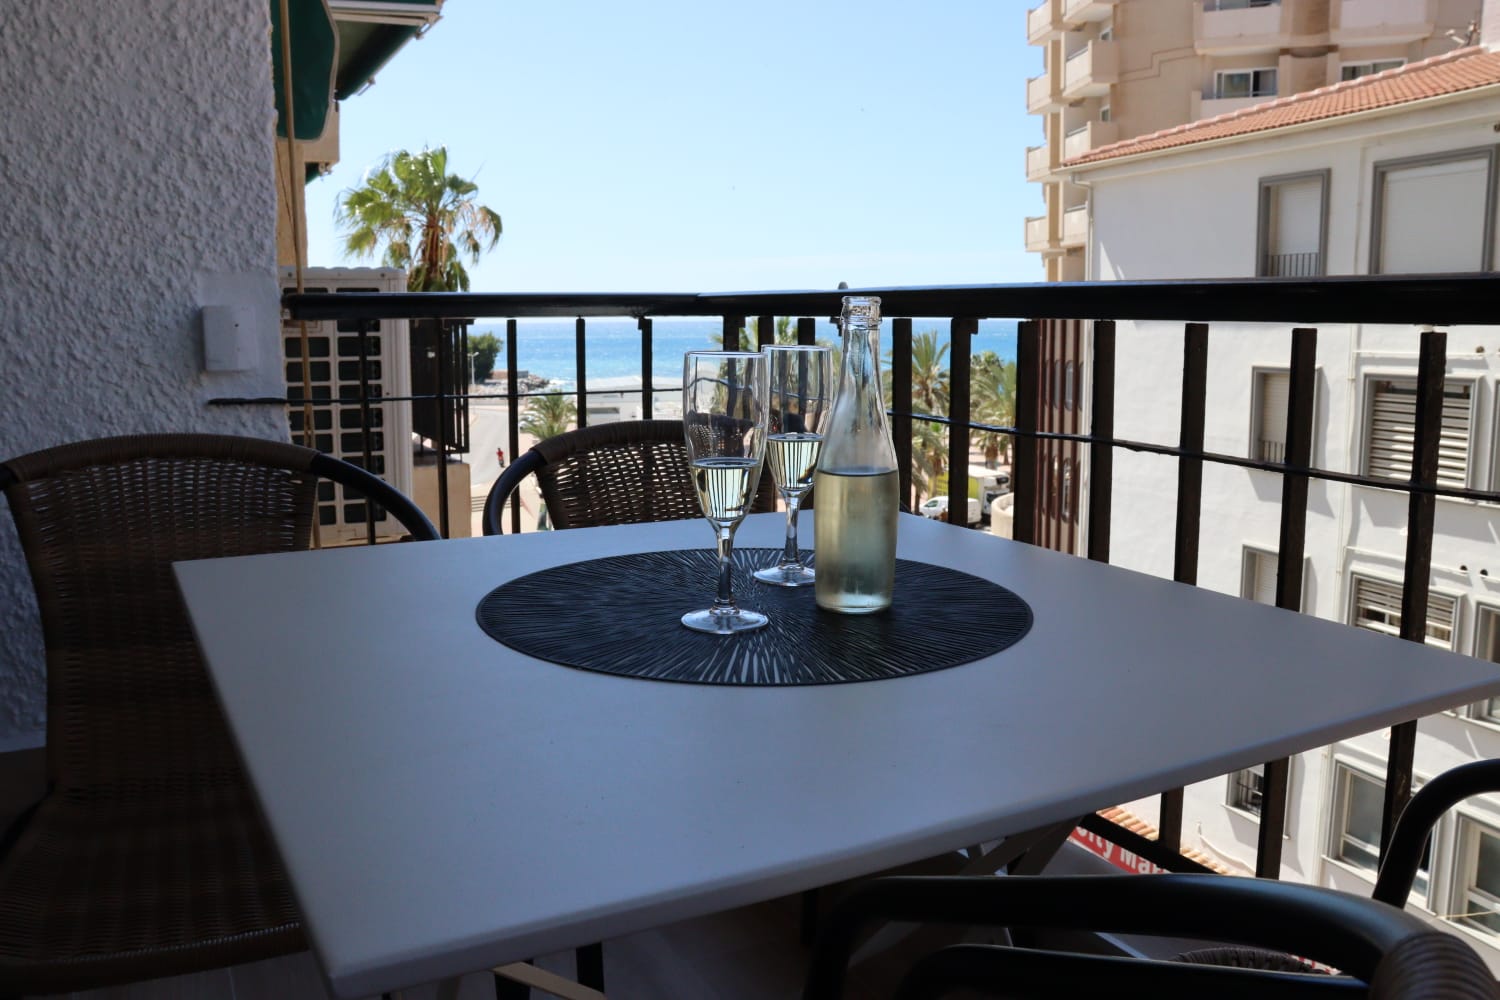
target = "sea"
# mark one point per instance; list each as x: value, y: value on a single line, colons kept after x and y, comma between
x: 546, y: 347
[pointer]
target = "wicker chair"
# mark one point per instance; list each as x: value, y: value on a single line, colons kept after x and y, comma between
x: 619, y: 473
x: 1382, y: 951
x: 147, y: 856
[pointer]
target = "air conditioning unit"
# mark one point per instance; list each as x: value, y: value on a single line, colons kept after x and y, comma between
x: 333, y: 382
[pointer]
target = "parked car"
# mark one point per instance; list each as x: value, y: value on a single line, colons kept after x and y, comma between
x: 937, y: 509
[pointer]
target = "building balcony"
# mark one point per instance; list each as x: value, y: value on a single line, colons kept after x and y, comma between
x: 1381, y: 22
x: 1042, y: 94
x: 1038, y: 235
x: 1075, y: 227
x: 1044, y: 23
x: 1091, y: 70
x: 1040, y: 162
x: 1078, y: 11
x: 1089, y: 136
x: 1208, y: 106
x: 1227, y: 31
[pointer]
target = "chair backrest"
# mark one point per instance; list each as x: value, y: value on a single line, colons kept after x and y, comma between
x: 1403, y: 856
x: 129, y: 708
x: 618, y: 473
x: 1391, y: 954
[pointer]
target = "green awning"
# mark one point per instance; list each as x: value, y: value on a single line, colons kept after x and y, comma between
x: 371, y: 32
x: 314, y: 45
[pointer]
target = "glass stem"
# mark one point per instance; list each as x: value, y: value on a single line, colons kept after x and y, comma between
x: 724, y: 604
x: 791, y: 556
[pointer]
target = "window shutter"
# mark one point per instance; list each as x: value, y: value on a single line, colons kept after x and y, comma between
x: 1265, y: 577
x: 1392, y: 431
x: 1377, y: 607
x: 1275, y: 390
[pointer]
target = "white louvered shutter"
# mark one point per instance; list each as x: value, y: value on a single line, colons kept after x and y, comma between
x: 1392, y: 431
x: 1377, y: 607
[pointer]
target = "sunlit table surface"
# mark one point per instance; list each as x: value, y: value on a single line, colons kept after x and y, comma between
x: 444, y: 804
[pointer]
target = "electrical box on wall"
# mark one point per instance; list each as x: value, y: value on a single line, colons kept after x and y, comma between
x: 378, y: 437
x: 228, y: 339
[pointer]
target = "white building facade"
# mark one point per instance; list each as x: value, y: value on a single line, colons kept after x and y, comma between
x: 1409, y: 187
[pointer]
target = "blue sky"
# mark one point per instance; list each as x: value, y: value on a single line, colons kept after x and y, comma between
x: 673, y: 146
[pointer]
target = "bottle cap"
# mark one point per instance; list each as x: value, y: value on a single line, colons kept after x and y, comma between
x: 862, y: 308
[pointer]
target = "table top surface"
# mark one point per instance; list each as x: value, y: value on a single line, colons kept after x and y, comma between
x: 444, y: 804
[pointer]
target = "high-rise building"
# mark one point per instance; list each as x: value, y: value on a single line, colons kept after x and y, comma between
x: 1118, y: 69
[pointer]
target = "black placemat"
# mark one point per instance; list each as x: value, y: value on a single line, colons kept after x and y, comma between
x: 622, y: 615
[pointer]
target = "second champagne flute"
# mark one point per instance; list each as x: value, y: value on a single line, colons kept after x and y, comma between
x: 801, y: 380
x: 724, y: 421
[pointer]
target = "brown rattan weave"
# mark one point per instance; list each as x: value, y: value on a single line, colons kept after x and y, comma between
x: 147, y: 856
x: 619, y: 473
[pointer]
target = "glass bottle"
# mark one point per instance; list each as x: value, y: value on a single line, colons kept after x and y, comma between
x: 855, y: 488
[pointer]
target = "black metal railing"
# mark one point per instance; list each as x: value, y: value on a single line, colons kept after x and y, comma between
x: 1308, y: 264
x: 1429, y: 302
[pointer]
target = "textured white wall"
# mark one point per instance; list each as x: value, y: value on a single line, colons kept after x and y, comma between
x: 136, y: 153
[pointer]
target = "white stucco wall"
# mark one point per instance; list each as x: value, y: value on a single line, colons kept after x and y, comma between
x: 1196, y: 215
x: 136, y: 153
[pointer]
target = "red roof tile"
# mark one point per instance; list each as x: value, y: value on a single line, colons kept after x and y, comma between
x: 1452, y: 73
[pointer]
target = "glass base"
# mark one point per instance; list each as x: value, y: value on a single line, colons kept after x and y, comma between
x: 795, y: 575
x: 724, y: 622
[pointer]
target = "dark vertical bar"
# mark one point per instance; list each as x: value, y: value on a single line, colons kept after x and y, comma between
x: 1189, y: 514
x: 589, y: 966
x: 1073, y: 400
x: 580, y: 335
x: 765, y: 331
x: 648, y: 405
x: 1044, y: 447
x: 513, y: 412
x: 364, y: 418
x: 1024, y: 471
x: 1420, y: 509
x: 441, y: 336
x: 807, y: 332
x: 1101, y: 454
x: 732, y: 327
x: 1291, y: 548
x: 1190, y: 470
x: 960, y: 389
x: 901, y: 401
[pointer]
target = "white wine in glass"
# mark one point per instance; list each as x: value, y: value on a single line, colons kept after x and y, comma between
x: 724, y: 419
x: 801, y: 386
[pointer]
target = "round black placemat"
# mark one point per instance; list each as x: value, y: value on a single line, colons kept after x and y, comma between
x: 622, y: 615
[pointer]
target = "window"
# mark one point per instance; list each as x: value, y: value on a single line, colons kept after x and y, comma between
x: 1358, y: 803
x: 1212, y: 5
x: 1258, y: 576
x: 1390, y: 429
x: 1478, y: 886
x: 1292, y: 235
x: 1487, y: 647
x: 1353, y: 71
x: 1377, y: 607
x: 1247, y: 788
x: 1434, y: 213
x: 1107, y: 31
x: 1268, y: 417
x: 1104, y: 113
x: 1245, y: 83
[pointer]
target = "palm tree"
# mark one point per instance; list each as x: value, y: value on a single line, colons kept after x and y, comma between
x: 426, y: 218
x: 548, y: 416
x: 994, y: 402
x: 929, y: 394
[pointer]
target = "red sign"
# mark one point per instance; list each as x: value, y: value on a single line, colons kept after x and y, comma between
x: 1113, y: 853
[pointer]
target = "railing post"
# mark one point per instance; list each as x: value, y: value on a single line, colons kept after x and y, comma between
x: 513, y: 412
x: 440, y: 423
x: 1102, y: 429
x: 1189, y: 515
x: 648, y: 404
x: 580, y: 353
x: 1289, y: 554
x: 1420, y: 510
x: 960, y: 386
x: 366, y: 451
x: 807, y: 333
x: 901, y: 401
x: 1023, y: 472
x: 765, y: 332
x: 731, y: 332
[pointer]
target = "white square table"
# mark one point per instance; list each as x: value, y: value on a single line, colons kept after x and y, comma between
x: 444, y: 804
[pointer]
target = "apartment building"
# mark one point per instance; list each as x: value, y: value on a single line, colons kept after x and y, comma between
x: 1117, y: 69
x: 1391, y: 173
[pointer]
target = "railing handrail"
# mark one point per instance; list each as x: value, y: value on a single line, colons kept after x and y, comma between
x: 1438, y: 300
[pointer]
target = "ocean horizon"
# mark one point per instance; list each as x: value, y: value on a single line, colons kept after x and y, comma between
x: 546, y: 347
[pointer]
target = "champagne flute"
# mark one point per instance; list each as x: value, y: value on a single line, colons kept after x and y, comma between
x: 724, y: 421
x: 801, y: 383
